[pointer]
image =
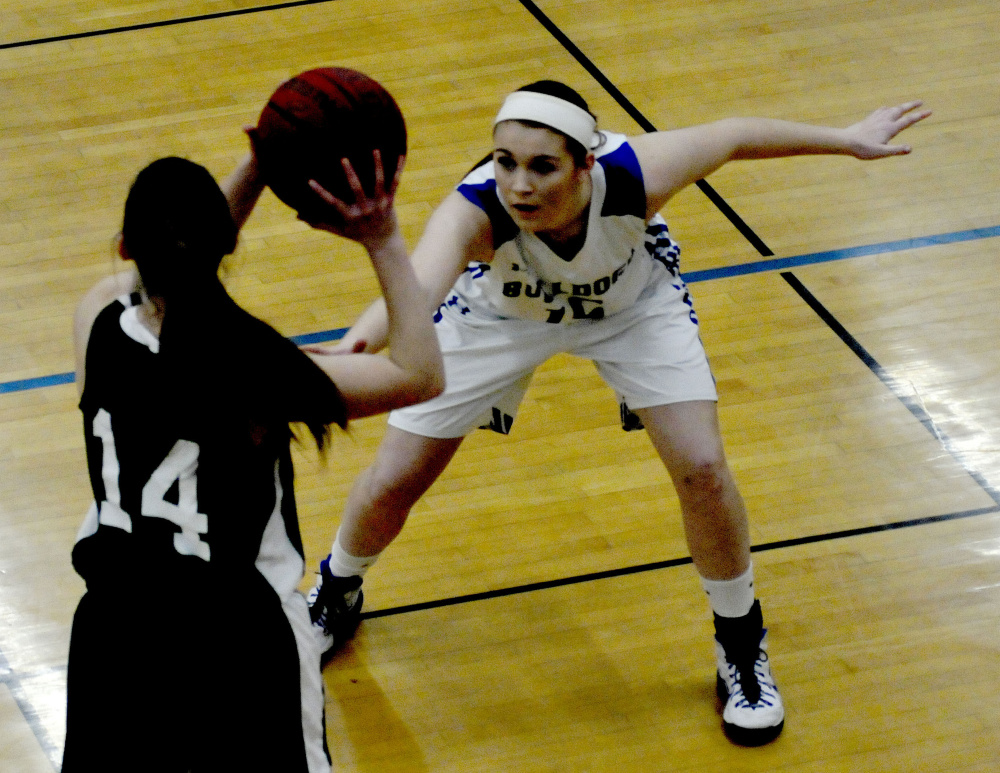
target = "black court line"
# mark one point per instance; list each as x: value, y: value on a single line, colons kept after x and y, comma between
x: 904, y: 395
x: 8, y: 678
x: 643, y: 122
x: 533, y: 9
x: 657, y: 565
x: 162, y: 23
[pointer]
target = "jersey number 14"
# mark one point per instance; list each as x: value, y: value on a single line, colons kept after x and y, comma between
x: 180, y: 466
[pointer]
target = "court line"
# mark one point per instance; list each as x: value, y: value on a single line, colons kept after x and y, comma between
x: 161, y: 23
x: 10, y: 679
x: 656, y: 565
x: 639, y: 118
x: 972, y: 234
x: 533, y: 9
x: 905, y: 395
x: 691, y: 277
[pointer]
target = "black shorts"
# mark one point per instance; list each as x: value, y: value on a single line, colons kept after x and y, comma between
x: 185, y: 681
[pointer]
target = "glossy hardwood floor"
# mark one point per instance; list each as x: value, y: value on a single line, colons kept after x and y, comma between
x: 539, y: 613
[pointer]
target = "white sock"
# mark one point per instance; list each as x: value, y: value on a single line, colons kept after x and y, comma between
x: 343, y: 564
x: 731, y: 598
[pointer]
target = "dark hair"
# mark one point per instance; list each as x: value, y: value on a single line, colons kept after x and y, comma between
x: 177, y: 226
x: 567, y: 94
x: 225, y: 365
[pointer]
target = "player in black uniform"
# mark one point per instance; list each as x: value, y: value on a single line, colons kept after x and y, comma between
x: 187, y: 401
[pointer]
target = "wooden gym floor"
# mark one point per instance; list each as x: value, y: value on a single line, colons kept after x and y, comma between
x: 539, y: 612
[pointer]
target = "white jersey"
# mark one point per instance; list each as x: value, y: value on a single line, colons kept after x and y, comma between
x: 527, y: 280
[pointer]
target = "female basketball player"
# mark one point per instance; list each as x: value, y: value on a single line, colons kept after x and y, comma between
x: 188, y: 449
x: 555, y: 245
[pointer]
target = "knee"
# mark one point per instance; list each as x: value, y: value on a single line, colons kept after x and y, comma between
x: 703, y: 478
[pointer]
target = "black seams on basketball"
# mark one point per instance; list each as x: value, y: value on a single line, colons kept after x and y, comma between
x: 314, y: 120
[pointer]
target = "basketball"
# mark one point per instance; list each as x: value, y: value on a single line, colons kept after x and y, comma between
x: 314, y: 120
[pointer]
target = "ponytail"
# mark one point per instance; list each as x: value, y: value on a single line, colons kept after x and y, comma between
x: 225, y: 365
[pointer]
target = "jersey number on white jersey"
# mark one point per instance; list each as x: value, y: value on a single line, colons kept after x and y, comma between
x: 180, y: 465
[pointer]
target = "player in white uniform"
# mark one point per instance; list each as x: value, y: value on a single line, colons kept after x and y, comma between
x: 187, y: 401
x: 555, y: 245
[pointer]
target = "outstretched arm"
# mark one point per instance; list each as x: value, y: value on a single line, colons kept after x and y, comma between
x: 673, y: 160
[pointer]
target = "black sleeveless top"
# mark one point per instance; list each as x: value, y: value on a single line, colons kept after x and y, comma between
x: 183, y: 487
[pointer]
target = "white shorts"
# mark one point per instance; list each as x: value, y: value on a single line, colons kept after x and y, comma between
x: 649, y: 354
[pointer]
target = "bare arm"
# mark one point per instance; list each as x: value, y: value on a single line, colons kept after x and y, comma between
x: 243, y: 187
x: 673, y: 160
x: 458, y: 232
x: 99, y: 296
x: 413, y: 370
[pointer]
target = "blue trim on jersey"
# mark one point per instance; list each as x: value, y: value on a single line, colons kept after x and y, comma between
x: 484, y: 195
x: 626, y: 193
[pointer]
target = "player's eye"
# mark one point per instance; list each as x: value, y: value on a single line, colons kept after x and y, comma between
x: 506, y: 162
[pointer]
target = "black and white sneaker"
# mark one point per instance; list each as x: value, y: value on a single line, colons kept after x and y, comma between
x: 753, y: 713
x: 334, y: 608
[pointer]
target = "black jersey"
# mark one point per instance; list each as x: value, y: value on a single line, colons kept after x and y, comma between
x: 178, y: 487
x: 192, y: 559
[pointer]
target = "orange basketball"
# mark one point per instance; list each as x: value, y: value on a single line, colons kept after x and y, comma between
x: 314, y: 120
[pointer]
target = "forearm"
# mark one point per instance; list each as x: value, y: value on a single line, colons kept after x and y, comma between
x: 674, y: 159
x: 401, y: 319
x: 243, y: 188
x: 756, y: 138
x: 437, y: 262
x: 869, y: 138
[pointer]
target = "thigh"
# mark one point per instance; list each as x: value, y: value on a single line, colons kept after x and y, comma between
x: 650, y: 354
x: 488, y: 367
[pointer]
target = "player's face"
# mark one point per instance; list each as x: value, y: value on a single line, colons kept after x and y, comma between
x: 538, y: 178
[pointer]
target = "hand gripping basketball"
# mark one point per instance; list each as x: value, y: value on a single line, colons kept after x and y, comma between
x: 367, y: 219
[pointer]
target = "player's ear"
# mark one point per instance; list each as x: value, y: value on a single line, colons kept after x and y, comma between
x: 120, y: 247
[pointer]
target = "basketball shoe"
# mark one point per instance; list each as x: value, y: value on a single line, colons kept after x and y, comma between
x: 334, y: 608
x: 753, y: 713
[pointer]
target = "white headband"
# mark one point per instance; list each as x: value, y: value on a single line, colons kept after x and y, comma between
x: 551, y: 111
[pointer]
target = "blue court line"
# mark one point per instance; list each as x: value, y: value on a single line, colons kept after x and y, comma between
x: 779, y: 264
x: 756, y: 267
x: 36, y: 383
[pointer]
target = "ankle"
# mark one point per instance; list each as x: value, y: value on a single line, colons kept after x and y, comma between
x: 733, y: 597
x: 343, y: 564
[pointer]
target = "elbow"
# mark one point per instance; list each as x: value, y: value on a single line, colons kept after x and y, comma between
x: 419, y: 387
x: 431, y: 385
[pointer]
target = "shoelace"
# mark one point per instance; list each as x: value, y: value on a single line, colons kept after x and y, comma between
x: 751, y: 686
x: 329, y: 604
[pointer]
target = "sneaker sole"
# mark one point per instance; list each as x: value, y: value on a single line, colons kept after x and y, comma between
x: 745, y: 736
